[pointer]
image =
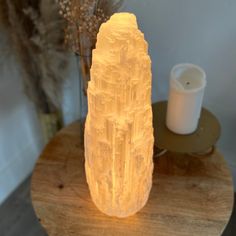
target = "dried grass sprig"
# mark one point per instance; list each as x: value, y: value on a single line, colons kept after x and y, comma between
x: 25, y: 53
x: 84, y: 18
x: 37, y: 33
x: 4, y: 22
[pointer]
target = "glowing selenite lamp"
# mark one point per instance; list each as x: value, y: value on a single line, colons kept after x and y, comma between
x: 118, y: 131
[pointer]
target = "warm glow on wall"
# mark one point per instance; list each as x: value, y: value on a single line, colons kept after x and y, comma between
x: 118, y: 130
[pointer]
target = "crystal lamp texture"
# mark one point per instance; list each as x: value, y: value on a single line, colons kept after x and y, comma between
x: 118, y: 130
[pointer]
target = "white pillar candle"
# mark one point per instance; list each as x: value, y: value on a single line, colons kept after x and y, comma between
x: 187, y: 84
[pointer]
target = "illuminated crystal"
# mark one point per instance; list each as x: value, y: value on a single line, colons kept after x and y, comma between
x: 118, y: 130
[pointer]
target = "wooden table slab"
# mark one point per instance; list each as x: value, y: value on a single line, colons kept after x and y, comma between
x: 190, y: 195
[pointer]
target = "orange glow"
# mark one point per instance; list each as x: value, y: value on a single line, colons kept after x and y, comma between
x: 118, y: 131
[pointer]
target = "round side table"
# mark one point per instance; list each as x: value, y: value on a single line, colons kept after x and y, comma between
x: 189, y: 196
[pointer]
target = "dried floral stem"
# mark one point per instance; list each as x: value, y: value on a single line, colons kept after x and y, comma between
x: 84, y: 18
x: 36, y: 30
x: 3, y: 14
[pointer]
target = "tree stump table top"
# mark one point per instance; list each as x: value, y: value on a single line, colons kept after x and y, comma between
x: 190, y: 195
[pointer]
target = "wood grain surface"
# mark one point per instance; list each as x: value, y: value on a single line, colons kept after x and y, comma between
x: 190, y: 195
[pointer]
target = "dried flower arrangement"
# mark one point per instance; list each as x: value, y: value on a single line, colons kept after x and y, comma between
x: 84, y: 18
x: 3, y: 14
x: 36, y: 31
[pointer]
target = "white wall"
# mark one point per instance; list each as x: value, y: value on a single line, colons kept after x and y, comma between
x: 201, y: 32
x: 20, y: 141
x: 74, y: 103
